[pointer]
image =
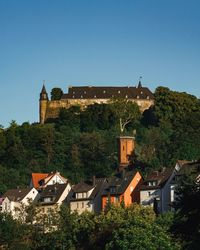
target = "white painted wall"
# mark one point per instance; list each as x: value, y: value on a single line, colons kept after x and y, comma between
x: 81, y: 206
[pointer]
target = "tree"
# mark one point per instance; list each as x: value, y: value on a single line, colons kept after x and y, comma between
x: 187, y: 218
x: 56, y: 94
x: 126, y: 112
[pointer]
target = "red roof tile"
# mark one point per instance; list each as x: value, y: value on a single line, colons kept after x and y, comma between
x: 36, y: 177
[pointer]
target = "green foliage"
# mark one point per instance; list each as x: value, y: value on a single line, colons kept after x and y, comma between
x: 135, y: 227
x: 187, y: 218
x: 56, y: 94
x: 126, y: 113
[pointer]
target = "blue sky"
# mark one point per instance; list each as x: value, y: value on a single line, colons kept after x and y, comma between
x: 97, y: 42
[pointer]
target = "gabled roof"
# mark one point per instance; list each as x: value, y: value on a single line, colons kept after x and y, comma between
x: 55, y: 191
x: 37, y: 177
x: 82, y: 187
x: 17, y: 194
x: 92, y: 92
x: 159, y: 177
x: 118, y: 184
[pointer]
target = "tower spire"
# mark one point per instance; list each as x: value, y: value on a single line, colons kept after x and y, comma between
x: 43, y: 93
x: 140, y: 84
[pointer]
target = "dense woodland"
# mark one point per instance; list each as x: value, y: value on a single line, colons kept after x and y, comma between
x: 83, y: 143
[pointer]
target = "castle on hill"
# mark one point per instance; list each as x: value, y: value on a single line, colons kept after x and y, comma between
x: 86, y: 95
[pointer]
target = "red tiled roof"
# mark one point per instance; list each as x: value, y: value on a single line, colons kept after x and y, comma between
x: 36, y: 177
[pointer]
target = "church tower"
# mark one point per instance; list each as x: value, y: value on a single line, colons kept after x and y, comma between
x: 43, y: 104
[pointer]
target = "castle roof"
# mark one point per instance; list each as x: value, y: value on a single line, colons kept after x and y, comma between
x: 93, y: 92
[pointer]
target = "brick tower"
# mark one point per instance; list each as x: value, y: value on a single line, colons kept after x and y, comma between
x: 126, y: 146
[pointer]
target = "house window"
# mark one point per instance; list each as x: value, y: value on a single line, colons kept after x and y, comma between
x: 149, y: 193
x: 84, y: 92
x: 95, y: 96
x: 112, y: 189
x: 137, y: 97
x: 118, y: 91
x: 104, y: 91
x: 116, y: 199
x: 147, y: 97
x: 82, y: 204
x: 126, y: 96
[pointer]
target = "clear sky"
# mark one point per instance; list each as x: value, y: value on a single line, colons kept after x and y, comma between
x: 96, y: 42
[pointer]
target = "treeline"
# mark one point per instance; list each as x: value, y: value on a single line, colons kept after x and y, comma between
x: 120, y: 228
x: 82, y: 143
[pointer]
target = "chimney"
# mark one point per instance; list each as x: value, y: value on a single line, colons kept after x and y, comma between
x: 126, y: 146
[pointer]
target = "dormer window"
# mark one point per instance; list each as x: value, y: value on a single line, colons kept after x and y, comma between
x: 152, y: 183
x: 112, y: 189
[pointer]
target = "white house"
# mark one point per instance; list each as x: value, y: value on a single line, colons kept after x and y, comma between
x: 41, y: 180
x: 14, y: 199
x: 156, y: 190
x: 87, y: 196
x: 52, y: 196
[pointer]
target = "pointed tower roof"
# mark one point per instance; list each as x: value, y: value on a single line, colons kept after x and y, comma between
x: 140, y: 84
x: 43, y: 93
x: 43, y: 89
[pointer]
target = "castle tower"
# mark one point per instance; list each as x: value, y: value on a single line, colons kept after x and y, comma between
x: 126, y: 146
x: 43, y: 104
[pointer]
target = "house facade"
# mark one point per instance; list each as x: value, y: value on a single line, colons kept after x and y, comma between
x: 156, y: 190
x: 123, y: 187
x: 15, y: 199
x: 87, y: 196
x: 52, y: 197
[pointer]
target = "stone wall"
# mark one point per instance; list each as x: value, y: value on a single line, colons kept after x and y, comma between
x: 51, y: 109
